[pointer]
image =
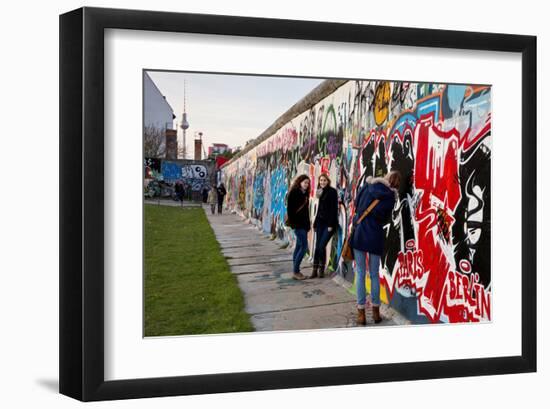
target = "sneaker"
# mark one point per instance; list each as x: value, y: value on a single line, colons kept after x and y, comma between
x: 298, y: 276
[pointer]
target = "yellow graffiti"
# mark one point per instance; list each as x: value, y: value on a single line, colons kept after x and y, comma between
x: 242, y: 193
x: 382, y: 102
x: 383, y: 290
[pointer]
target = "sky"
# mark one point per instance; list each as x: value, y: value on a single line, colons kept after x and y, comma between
x: 229, y: 109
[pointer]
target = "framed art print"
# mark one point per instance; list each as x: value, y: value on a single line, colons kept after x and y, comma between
x: 215, y: 170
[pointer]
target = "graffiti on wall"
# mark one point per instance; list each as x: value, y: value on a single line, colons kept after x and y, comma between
x: 436, y: 263
x: 151, y: 168
x: 193, y: 176
x: 162, y: 175
x: 196, y: 176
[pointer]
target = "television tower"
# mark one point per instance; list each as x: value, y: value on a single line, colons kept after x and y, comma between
x: 184, y: 123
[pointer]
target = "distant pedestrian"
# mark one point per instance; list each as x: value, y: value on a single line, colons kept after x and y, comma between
x: 221, y: 194
x: 297, y: 218
x: 179, y: 190
x: 376, y: 200
x: 325, y: 224
x: 204, y: 194
x: 213, y: 199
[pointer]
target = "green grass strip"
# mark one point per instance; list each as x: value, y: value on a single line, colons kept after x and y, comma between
x: 188, y: 286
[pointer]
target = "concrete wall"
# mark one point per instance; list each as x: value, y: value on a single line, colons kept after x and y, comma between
x: 195, y: 175
x: 436, y: 265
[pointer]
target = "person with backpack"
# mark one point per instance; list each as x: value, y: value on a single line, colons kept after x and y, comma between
x: 297, y: 218
x: 373, y: 207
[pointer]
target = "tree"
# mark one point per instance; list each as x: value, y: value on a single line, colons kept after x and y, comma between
x: 153, y: 142
x: 227, y: 154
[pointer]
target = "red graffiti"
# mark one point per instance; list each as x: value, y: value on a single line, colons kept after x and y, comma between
x: 410, y: 269
x: 313, y: 181
x: 466, y: 299
x: 436, y: 179
x: 325, y: 163
x: 284, y: 140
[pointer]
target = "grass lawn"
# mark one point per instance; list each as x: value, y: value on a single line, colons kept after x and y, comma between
x: 188, y: 287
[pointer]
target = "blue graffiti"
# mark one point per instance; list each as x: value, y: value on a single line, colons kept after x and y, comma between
x: 455, y: 96
x: 171, y: 171
x: 279, y: 190
x: 428, y: 106
x: 258, y: 201
x: 404, y: 121
x: 478, y: 105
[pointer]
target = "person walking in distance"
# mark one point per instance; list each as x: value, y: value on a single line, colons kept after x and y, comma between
x: 297, y: 218
x: 373, y: 205
x: 325, y: 224
x: 179, y: 190
x: 213, y: 199
x: 221, y: 194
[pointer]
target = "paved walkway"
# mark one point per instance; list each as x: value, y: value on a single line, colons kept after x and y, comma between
x: 273, y: 299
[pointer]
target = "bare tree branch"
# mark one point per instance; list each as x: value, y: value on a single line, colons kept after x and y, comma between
x: 153, y: 142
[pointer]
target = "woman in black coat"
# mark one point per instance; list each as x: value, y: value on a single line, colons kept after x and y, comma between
x: 325, y: 224
x: 221, y: 194
x: 298, y: 219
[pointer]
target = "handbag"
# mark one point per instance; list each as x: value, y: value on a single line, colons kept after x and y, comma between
x: 347, y: 251
x: 287, y: 223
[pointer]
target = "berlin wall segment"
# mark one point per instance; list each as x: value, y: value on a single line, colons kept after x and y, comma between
x: 436, y: 265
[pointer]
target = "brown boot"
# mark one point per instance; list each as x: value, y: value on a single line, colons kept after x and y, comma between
x: 314, y: 271
x: 376, y: 314
x: 361, y: 318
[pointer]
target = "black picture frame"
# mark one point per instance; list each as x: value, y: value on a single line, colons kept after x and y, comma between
x: 81, y: 277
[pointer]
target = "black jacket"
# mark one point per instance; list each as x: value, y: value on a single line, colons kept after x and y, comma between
x: 298, y: 219
x: 327, y: 210
x: 221, y: 193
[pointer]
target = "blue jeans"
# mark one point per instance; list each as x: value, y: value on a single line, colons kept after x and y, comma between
x: 323, y: 236
x: 374, y: 266
x: 300, y: 249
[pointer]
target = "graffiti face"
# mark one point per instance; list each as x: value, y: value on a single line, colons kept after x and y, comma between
x: 195, y: 176
x: 436, y: 263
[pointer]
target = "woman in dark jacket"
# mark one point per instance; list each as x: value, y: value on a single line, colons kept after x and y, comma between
x: 325, y: 224
x: 221, y: 194
x: 368, y: 237
x: 298, y: 219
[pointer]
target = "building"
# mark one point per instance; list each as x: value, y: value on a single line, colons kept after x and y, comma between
x: 218, y: 148
x: 157, y: 113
